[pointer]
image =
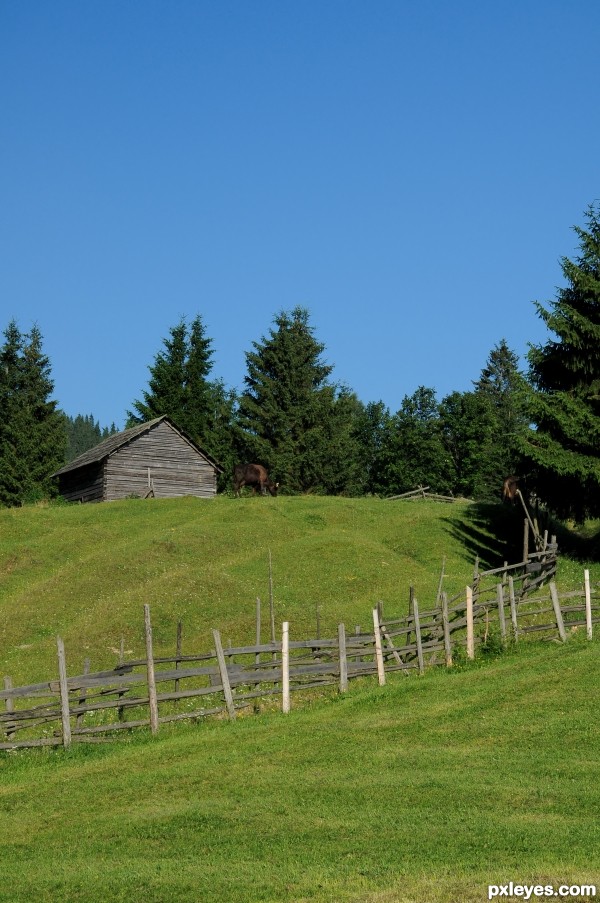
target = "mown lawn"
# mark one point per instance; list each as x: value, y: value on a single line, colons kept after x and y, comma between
x: 426, y: 790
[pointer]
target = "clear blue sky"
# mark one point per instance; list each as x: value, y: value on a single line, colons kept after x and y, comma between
x: 408, y: 171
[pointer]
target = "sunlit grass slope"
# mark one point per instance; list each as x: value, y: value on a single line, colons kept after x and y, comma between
x: 84, y: 571
x: 424, y: 791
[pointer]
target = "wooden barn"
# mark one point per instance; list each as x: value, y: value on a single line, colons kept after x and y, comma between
x: 153, y: 459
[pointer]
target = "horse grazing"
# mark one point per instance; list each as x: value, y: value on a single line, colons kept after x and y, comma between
x: 510, y: 488
x: 253, y: 475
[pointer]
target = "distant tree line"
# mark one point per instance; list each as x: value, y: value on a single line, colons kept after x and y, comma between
x: 316, y: 435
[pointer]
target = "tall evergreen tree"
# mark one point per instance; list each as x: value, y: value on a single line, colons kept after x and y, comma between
x: 32, y: 438
x: 413, y: 451
x: 291, y: 418
x: 180, y: 388
x: 199, y: 392
x: 166, y: 394
x: 563, y: 451
x: 469, y: 429
x: 502, y: 386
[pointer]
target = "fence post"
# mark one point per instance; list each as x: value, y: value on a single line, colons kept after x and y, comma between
x: 513, y: 608
x: 285, y: 668
x: 378, y: 652
x: 82, y: 697
x: 588, y: 604
x: 501, y: 618
x: 224, y: 675
x: 271, y: 599
x: 558, y: 612
x: 446, y: 626
x: 64, y: 693
x: 178, y: 643
x: 152, y: 701
x: 418, y: 636
x: 525, y: 539
x: 10, y: 707
x: 343, y: 659
x: 470, y: 635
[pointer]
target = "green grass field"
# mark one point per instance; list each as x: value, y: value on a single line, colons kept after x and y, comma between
x: 428, y: 789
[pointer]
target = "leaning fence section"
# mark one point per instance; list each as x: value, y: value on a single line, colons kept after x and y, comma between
x: 225, y: 680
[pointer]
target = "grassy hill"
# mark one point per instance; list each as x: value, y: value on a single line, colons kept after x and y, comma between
x: 84, y: 571
x: 424, y: 791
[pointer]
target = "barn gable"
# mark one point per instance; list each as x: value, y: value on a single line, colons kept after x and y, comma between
x: 153, y: 458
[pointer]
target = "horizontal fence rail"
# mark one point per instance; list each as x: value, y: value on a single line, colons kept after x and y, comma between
x: 155, y: 690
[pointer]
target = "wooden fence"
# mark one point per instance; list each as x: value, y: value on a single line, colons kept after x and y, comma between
x: 151, y: 691
x: 421, y: 492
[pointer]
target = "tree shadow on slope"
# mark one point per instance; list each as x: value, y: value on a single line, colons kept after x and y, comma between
x: 494, y: 532
x: 491, y: 531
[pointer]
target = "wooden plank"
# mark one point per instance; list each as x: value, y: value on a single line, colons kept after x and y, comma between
x: 178, y: 649
x: 10, y: 707
x: 285, y: 668
x: 224, y: 675
x: 64, y: 693
x: 378, y: 652
x: 418, y: 636
x: 558, y: 612
x: 81, y: 701
x: 152, y: 701
x: 343, y: 661
x: 501, y: 618
x: 513, y: 608
x: 446, y: 626
x: 470, y: 634
x: 588, y: 604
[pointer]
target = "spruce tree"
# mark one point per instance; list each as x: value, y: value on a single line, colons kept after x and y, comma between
x: 502, y: 386
x: 166, y: 394
x: 291, y: 418
x: 199, y: 392
x: 563, y: 451
x: 413, y: 451
x: 32, y: 436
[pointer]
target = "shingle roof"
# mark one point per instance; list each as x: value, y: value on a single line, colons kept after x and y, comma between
x: 109, y: 446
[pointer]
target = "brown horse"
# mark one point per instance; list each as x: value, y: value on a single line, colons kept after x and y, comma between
x: 253, y: 475
x: 510, y: 487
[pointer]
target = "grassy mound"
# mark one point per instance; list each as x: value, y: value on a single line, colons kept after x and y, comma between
x: 426, y: 790
x: 84, y: 571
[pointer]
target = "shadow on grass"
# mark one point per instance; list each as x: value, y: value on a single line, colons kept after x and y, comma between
x: 491, y: 531
x: 494, y: 532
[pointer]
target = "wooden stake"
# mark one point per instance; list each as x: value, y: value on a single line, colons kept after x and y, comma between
x: 441, y: 582
x: 178, y: 644
x: 470, y: 634
x: 81, y: 700
x: 152, y: 700
x: 557, y: 612
x: 224, y: 675
x: 271, y: 599
x: 285, y: 668
x: 418, y: 636
x: 64, y: 693
x: 446, y: 626
x: 258, y: 631
x: 342, y: 657
x: 501, y: 618
x: 10, y: 707
x: 513, y: 608
x: 378, y: 652
x: 588, y: 604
